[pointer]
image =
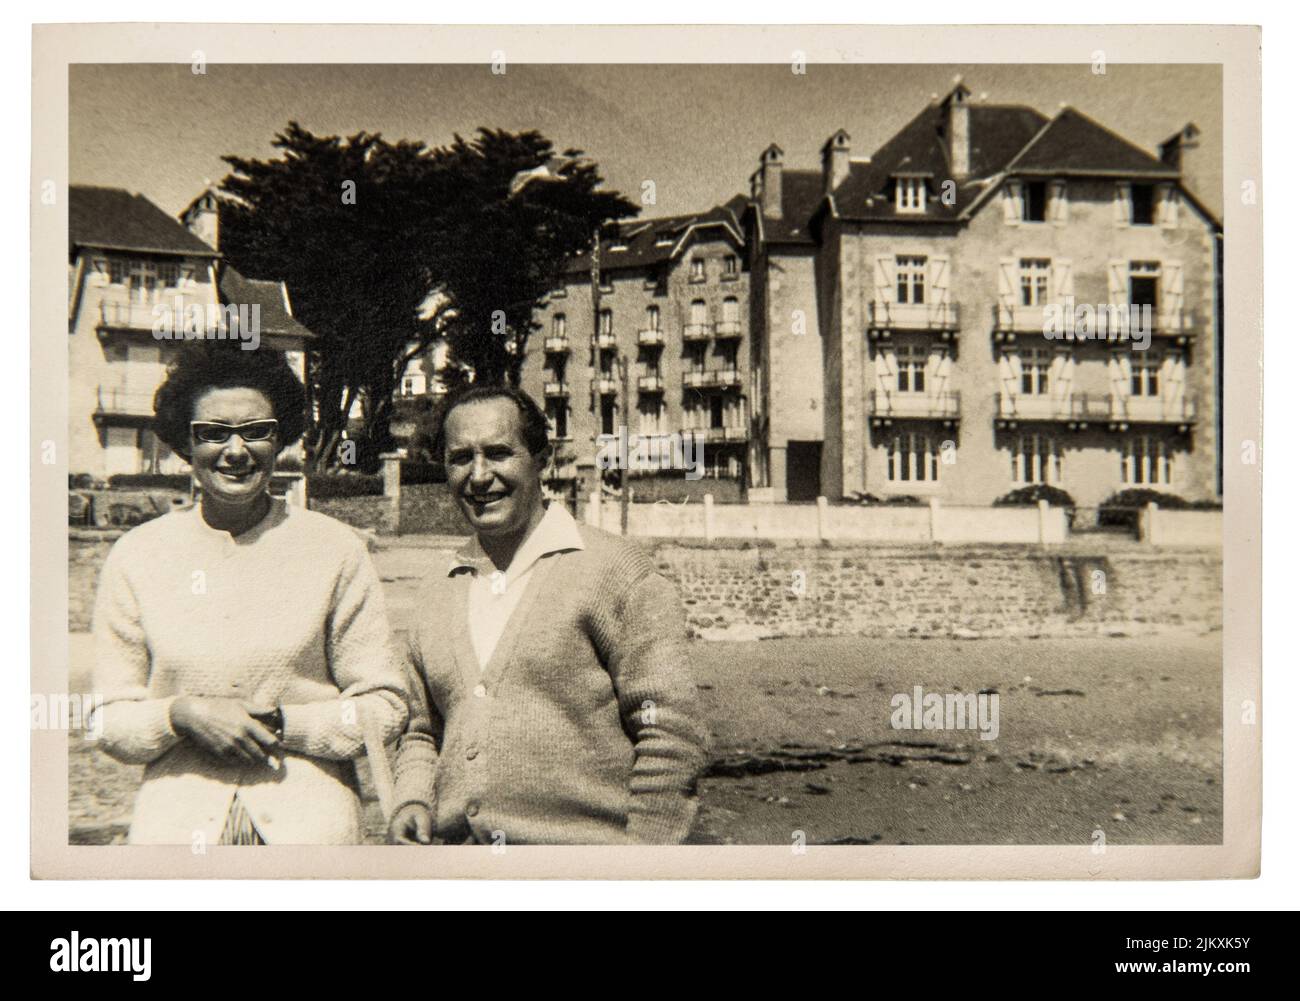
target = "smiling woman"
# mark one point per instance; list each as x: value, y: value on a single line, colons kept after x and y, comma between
x: 241, y: 647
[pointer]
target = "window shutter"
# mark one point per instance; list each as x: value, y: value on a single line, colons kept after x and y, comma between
x: 1062, y: 279
x: 1117, y: 282
x: 1058, y: 204
x: 1123, y: 203
x: 1010, y: 385
x: 1169, y: 201
x: 886, y: 268
x: 1174, y: 386
x: 1125, y: 372
x: 883, y: 384
x: 1171, y: 288
x: 942, y: 373
x: 939, y: 280
x: 1011, y: 202
x: 1007, y: 283
x: 1119, y: 386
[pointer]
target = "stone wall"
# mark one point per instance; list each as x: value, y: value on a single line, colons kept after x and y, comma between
x: 427, y: 508
x: 375, y: 514
x: 927, y: 592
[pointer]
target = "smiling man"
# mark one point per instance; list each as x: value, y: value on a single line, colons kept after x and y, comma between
x: 552, y: 701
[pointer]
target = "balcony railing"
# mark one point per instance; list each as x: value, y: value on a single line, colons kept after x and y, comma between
x: 606, y: 340
x: 712, y: 379
x: 557, y: 344
x: 1153, y: 410
x: 650, y: 338
x: 1018, y: 319
x: 604, y: 385
x: 1072, y: 408
x: 123, y: 401
x: 555, y: 389
x: 128, y: 315
x: 697, y: 332
x: 1081, y: 321
x: 914, y: 316
x: 915, y: 406
x: 650, y: 383
x: 732, y: 433
x: 726, y: 329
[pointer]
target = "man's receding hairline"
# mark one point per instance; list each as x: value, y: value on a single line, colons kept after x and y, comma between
x: 521, y: 417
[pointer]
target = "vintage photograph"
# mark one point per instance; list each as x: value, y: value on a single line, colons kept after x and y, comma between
x: 663, y: 454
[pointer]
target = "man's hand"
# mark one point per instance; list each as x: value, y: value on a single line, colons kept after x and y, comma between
x: 412, y: 824
x: 224, y: 729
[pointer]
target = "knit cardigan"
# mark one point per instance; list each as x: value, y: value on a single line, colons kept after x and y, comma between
x: 289, y: 613
x: 581, y: 729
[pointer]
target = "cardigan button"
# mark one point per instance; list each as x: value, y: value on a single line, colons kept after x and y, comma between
x: 480, y: 691
x: 471, y: 753
x: 471, y: 809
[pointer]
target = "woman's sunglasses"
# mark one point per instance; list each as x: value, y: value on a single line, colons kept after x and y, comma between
x: 215, y: 433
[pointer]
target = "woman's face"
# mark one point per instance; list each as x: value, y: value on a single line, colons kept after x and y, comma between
x: 235, y: 472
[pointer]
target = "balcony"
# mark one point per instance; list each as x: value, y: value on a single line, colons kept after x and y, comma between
x: 883, y: 318
x: 718, y: 436
x: 123, y: 404
x: 887, y: 407
x: 697, y: 332
x: 557, y: 345
x: 1012, y: 319
x: 651, y: 338
x: 713, y: 379
x: 606, y: 341
x: 605, y: 385
x: 727, y: 329
x: 1126, y: 410
x: 650, y: 384
x: 1076, y: 410
x: 1085, y: 321
x: 555, y: 389
x: 125, y: 315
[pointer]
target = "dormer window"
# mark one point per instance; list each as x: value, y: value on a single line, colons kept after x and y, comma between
x: 909, y: 194
x: 1033, y: 197
x: 1143, y: 200
x: 697, y: 269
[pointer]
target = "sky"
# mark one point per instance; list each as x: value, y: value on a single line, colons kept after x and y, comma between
x: 695, y: 131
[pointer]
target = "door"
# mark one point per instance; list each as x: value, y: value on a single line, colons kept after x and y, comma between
x: 803, y: 470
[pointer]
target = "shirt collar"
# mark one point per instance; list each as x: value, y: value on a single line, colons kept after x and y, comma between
x: 557, y: 532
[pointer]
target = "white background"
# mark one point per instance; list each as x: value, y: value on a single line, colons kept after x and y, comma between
x: 1275, y: 889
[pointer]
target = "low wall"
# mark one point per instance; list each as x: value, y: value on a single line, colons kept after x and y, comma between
x: 676, y: 488
x: 927, y: 592
x: 1162, y: 527
x: 428, y: 508
x: 823, y: 521
x: 375, y: 514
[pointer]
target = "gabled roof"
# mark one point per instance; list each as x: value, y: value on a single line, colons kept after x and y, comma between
x: 650, y: 241
x: 997, y: 133
x: 115, y: 219
x: 270, y: 296
x: 1073, y: 143
x: 801, y: 191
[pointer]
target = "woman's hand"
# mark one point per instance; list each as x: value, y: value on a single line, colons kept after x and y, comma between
x: 411, y: 825
x: 224, y: 729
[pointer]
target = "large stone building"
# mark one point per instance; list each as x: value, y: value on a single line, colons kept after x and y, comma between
x: 130, y: 264
x: 674, y: 304
x: 904, y: 306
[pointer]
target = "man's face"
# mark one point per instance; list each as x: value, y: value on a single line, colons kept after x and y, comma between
x: 489, y: 471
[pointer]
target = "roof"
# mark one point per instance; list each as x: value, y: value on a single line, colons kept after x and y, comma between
x: 116, y: 219
x: 997, y: 133
x: 1074, y: 144
x: 801, y: 191
x: 270, y: 296
x: 651, y: 241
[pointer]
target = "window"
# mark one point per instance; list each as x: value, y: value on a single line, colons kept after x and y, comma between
x: 730, y: 310
x: 607, y: 414
x: 1035, y: 364
x: 1144, y: 283
x: 1034, y: 275
x: 557, y: 412
x: 606, y: 322
x: 699, y: 312
x: 652, y: 318
x: 559, y: 325
x: 169, y: 274
x: 730, y: 266
x: 1033, y: 201
x: 408, y: 386
x: 697, y: 269
x: 909, y: 194
x: 1146, y: 375
x: 143, y: 280
x: 912, y: 457
x: 911, y: 279
x: 1146, y: 459
x: 911, y: 369
x: 1036, y: 458
x: 695, y: 357
x: 1142, y: 198
x: 118, y: 270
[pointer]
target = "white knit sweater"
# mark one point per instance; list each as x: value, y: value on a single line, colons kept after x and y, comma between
x: 289, y: 613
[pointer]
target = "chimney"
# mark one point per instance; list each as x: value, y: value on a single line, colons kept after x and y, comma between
x: 203, y: 218
x: 769, y: 181
x: 835, y: 161
x: 1181, y: 151
x: 957, y: 129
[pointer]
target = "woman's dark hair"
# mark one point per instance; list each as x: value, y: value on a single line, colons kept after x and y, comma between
x: 203, y: 366
x: 532, y: 420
